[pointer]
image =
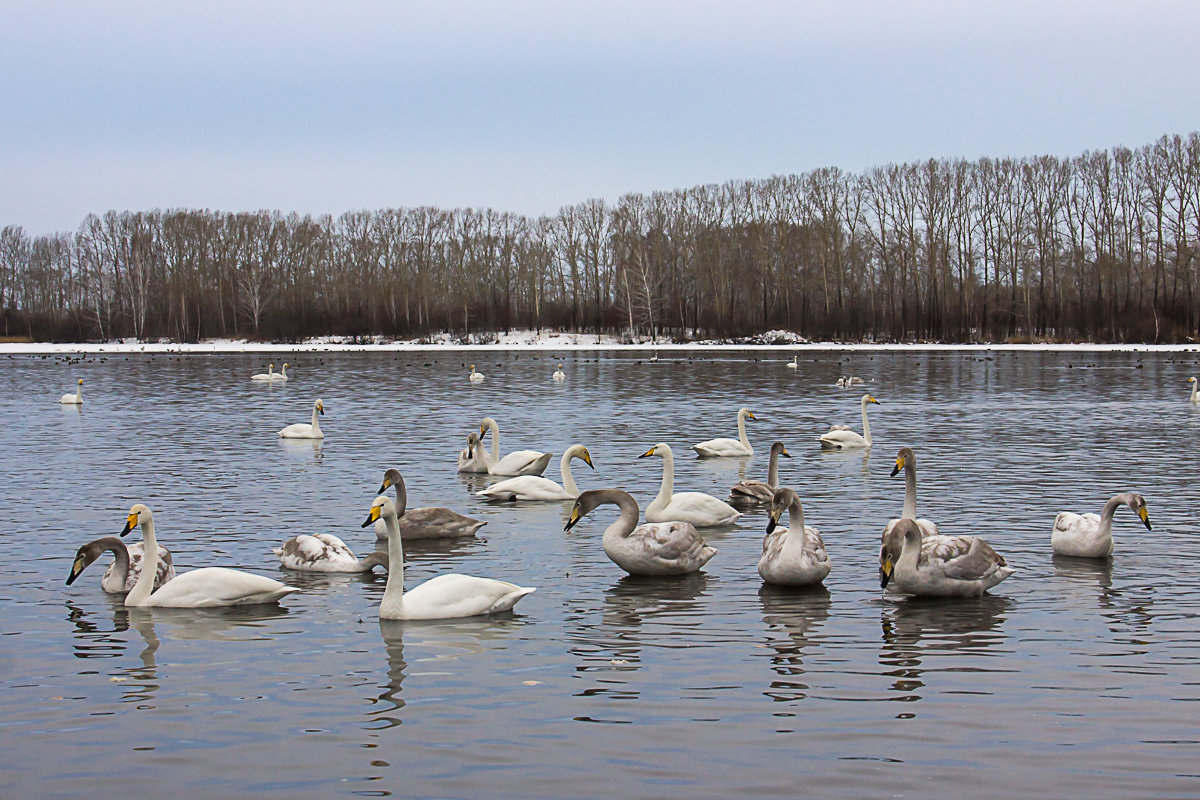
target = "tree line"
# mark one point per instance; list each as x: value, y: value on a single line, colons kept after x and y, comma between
x: 1101, y: 247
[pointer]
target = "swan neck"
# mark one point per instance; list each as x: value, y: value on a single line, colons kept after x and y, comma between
x: 866, y: 425
x: 796, y: 518
x: 773, y: 469
x: 401, y: 498
x: 628, y: 520
x: 910, y: 551
x: 145, y: 583
x: 316, y: 425
x: 1110, y: 509
x: 120, y: 566
x: 667, y: 489
x: 393, y: 591
x: 910, y: 492
x: 495, y: 429
x: 742, y: 430
x: 568, y: 480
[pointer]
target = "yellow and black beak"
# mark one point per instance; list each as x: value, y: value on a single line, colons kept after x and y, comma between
x: 750, y: 415
x: 587, y: 459
x: 76, y: 568
x: 785, y: 453
x: 873, y: 400
x: 383, y: 487
x: 321, y: 409
x: 773, y: 519
x: 482, y: 430
x: 373, y: 517
x: 649, y: 452
x: 885, y: 572
x: 131, y: 522
x: 1144, y: 515
x: 574, y: 518
x: 899, y: 466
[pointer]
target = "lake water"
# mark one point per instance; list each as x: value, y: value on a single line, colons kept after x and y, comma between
x: 1072, y: 678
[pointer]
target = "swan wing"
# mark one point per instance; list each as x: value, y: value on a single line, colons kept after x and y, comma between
x: 751, y: 492
x: 321, y: 553
x: 454, y: 596
x: 432, y: 523
x: 525, y: 487
x: 218, y: 586
x: 521, y: 462
x: 842, y: 439
x: 660, y: 548
x: 300, y: 430
x: 964, y: 558
x: 721, y: 447
x: 702, y: 510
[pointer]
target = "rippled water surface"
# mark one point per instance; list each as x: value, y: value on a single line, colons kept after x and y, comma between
x: 1072, y: 678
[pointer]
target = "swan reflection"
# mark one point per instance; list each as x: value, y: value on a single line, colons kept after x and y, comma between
x: 302, y: 448
x: 793, y: 620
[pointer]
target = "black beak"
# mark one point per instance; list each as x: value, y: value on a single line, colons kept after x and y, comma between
x: 74, y: 574
x: 895, y: 470
x: 127, y: 529
x: 883, y: 578
x: 1148, y: 524
x: 382, y: 488
x: 369, y: 522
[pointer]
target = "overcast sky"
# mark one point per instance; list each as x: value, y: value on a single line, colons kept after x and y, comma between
x: 527, y: 107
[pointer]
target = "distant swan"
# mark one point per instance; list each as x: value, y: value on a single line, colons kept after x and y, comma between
x: 303, y: 431
x: 938, y: 565
x: 535, y: 487
x: 518, y: 462
x: 559, y: 375
x: 475, y: 377
x: 717, y: 448
x: 795, y: 555
x: 655, y: 548
x: 702, y: 510
x: 269, y: 375
x: 751, y: 491
x: 126, y: 568
x: 281, y: 376
x: 448, y: 596
x: 474, y: 458
x: 840, y: 437
x: 429, y: 522
x: 1195, y: 398
x: 906, y: 460
x: 200, y: 588
x: 73, y: 399
x: 795, y: 363
x: 1090, y: 535
x: 324, y: 552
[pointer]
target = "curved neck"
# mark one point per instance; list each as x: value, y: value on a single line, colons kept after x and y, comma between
x: 376, y: 559
x: 866, y: 425
x: 910, y: 491
x: 401, y: 497
x: 668, y: 480
x: 283, y: 370
x: 1110, y: 508
x: 796, y: 517
x: 120, y: 565
x: 145, y: 583
x: 1195, y: 391
x: 393, y: 592
x: 316, y: 426
x: 568, y: 480
x: 495, y: 429
x: 629, y: 514
x: 773, y: 468
x: 911, y: 551
x: 742, y: 430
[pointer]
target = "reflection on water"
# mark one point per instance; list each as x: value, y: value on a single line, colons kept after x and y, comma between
x: 794, y: 620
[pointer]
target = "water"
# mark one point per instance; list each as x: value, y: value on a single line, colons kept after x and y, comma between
x: 1072, y: 677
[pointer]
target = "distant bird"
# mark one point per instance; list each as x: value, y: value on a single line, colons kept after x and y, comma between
x: 559, y: 375
x: 475, y: 377
x: 795, y: 363
x: 73, y: 399
x: 840, y: 437
x: 1195, y: 398
x: 306, y: 431
x: 269, y: 375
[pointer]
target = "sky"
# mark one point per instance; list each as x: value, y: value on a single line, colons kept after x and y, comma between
x: 318, y: 107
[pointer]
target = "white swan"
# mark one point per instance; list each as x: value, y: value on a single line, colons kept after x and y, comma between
x: 840, y: 437
x: 518, y: 462
x: 200, y: 588
x: 475, y: 377
x: 73, y: 399
x: 655, y: 548
x: 423, y: 523
x: 475, y: 457
x: 1090, y: 535
x: 906, y: 460
x: 126, y: 568
x: 1195, y: 398
x: 910, y: 563
x: 281, y: 376
x: 795, y: 555
x: 269, y: 375
x: 559, y: 375
x: 324, y: 552
x: 535, y: 487
x: 717, y: 448
x: 795, y: 363
x: 445, y: 597
x: 751, y: 491
x: 303, y: 431
x: 702, y: 510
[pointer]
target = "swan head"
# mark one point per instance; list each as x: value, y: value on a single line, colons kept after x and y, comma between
x: 320, y: 407
x: 139, y: 514
x: 380, y: 508
x: 1137, y: 504
x: 484, y: 424
x: 893, y: 544
x: 747, y: 413
x: 1190, y: 380
x: 660, y: 449
x: 80, y: 381
x: 85, y: 555
x: 584, y: 505
x: 905, y: 458
x: 782, y: 500
x: 392, y: 478
x: 778, y: 449
x: 866, y: 398
x: 581, y: 452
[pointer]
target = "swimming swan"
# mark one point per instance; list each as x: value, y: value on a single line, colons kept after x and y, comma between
x: 702, y: 510
x: 795, y: 363
x: 717, y: 448
x: 840, y: 437
x: 324, y: 552
x: 73, y: 399
x: 126, y: 567
x: 475, y: 457
x: 423, y: 523
x: 559, y: 375
x: 655, y: 548
x: 535, y: 487
x: 201, y: 588
x: 518, y: 462
x: 475, y: 377
x: 938, y: 565
x: 281, y: 376
x: 906, y: 460
x: 302, y: 431
x: 1090, y: 535
x: 269, y: 375
x: 448, y: 596
x: 795, y: 555
x: 752, y: 491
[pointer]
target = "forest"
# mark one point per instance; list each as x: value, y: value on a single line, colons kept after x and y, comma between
x: 1097, y: 247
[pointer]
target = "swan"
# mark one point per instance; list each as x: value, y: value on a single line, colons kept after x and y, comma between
x: 854, y: 380
x: 717, y: 448
x: 795, y: 363
x: 303, y: 431
x: 475, y: 457
x: 559, y: 375
x: 1195, y: 398
x: 906, y: 460
x: 73, y: 399
x: 324, y: 552
x: 756, y: 491
x: 449, y: 596
x: 475, y: 377
x: 702, y: 510
x: 126, y: 568
x: 840, y: 437
x: 200, y: 588
x: 1089, y: 535
x: 842, y: 381
x: 655, y: 548
x: 938, y: 565
x: 423, y: 523
x: 279, y: 377
x: 795, y: 555
x: 654, y: 357
x: 518, y: 462
x: 269, y: 375
x: 535, y: 487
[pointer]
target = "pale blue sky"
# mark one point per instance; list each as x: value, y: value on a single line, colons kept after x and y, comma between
x: 530, y: 106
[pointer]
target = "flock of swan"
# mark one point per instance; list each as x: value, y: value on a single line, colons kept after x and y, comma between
x: 915, y: 558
